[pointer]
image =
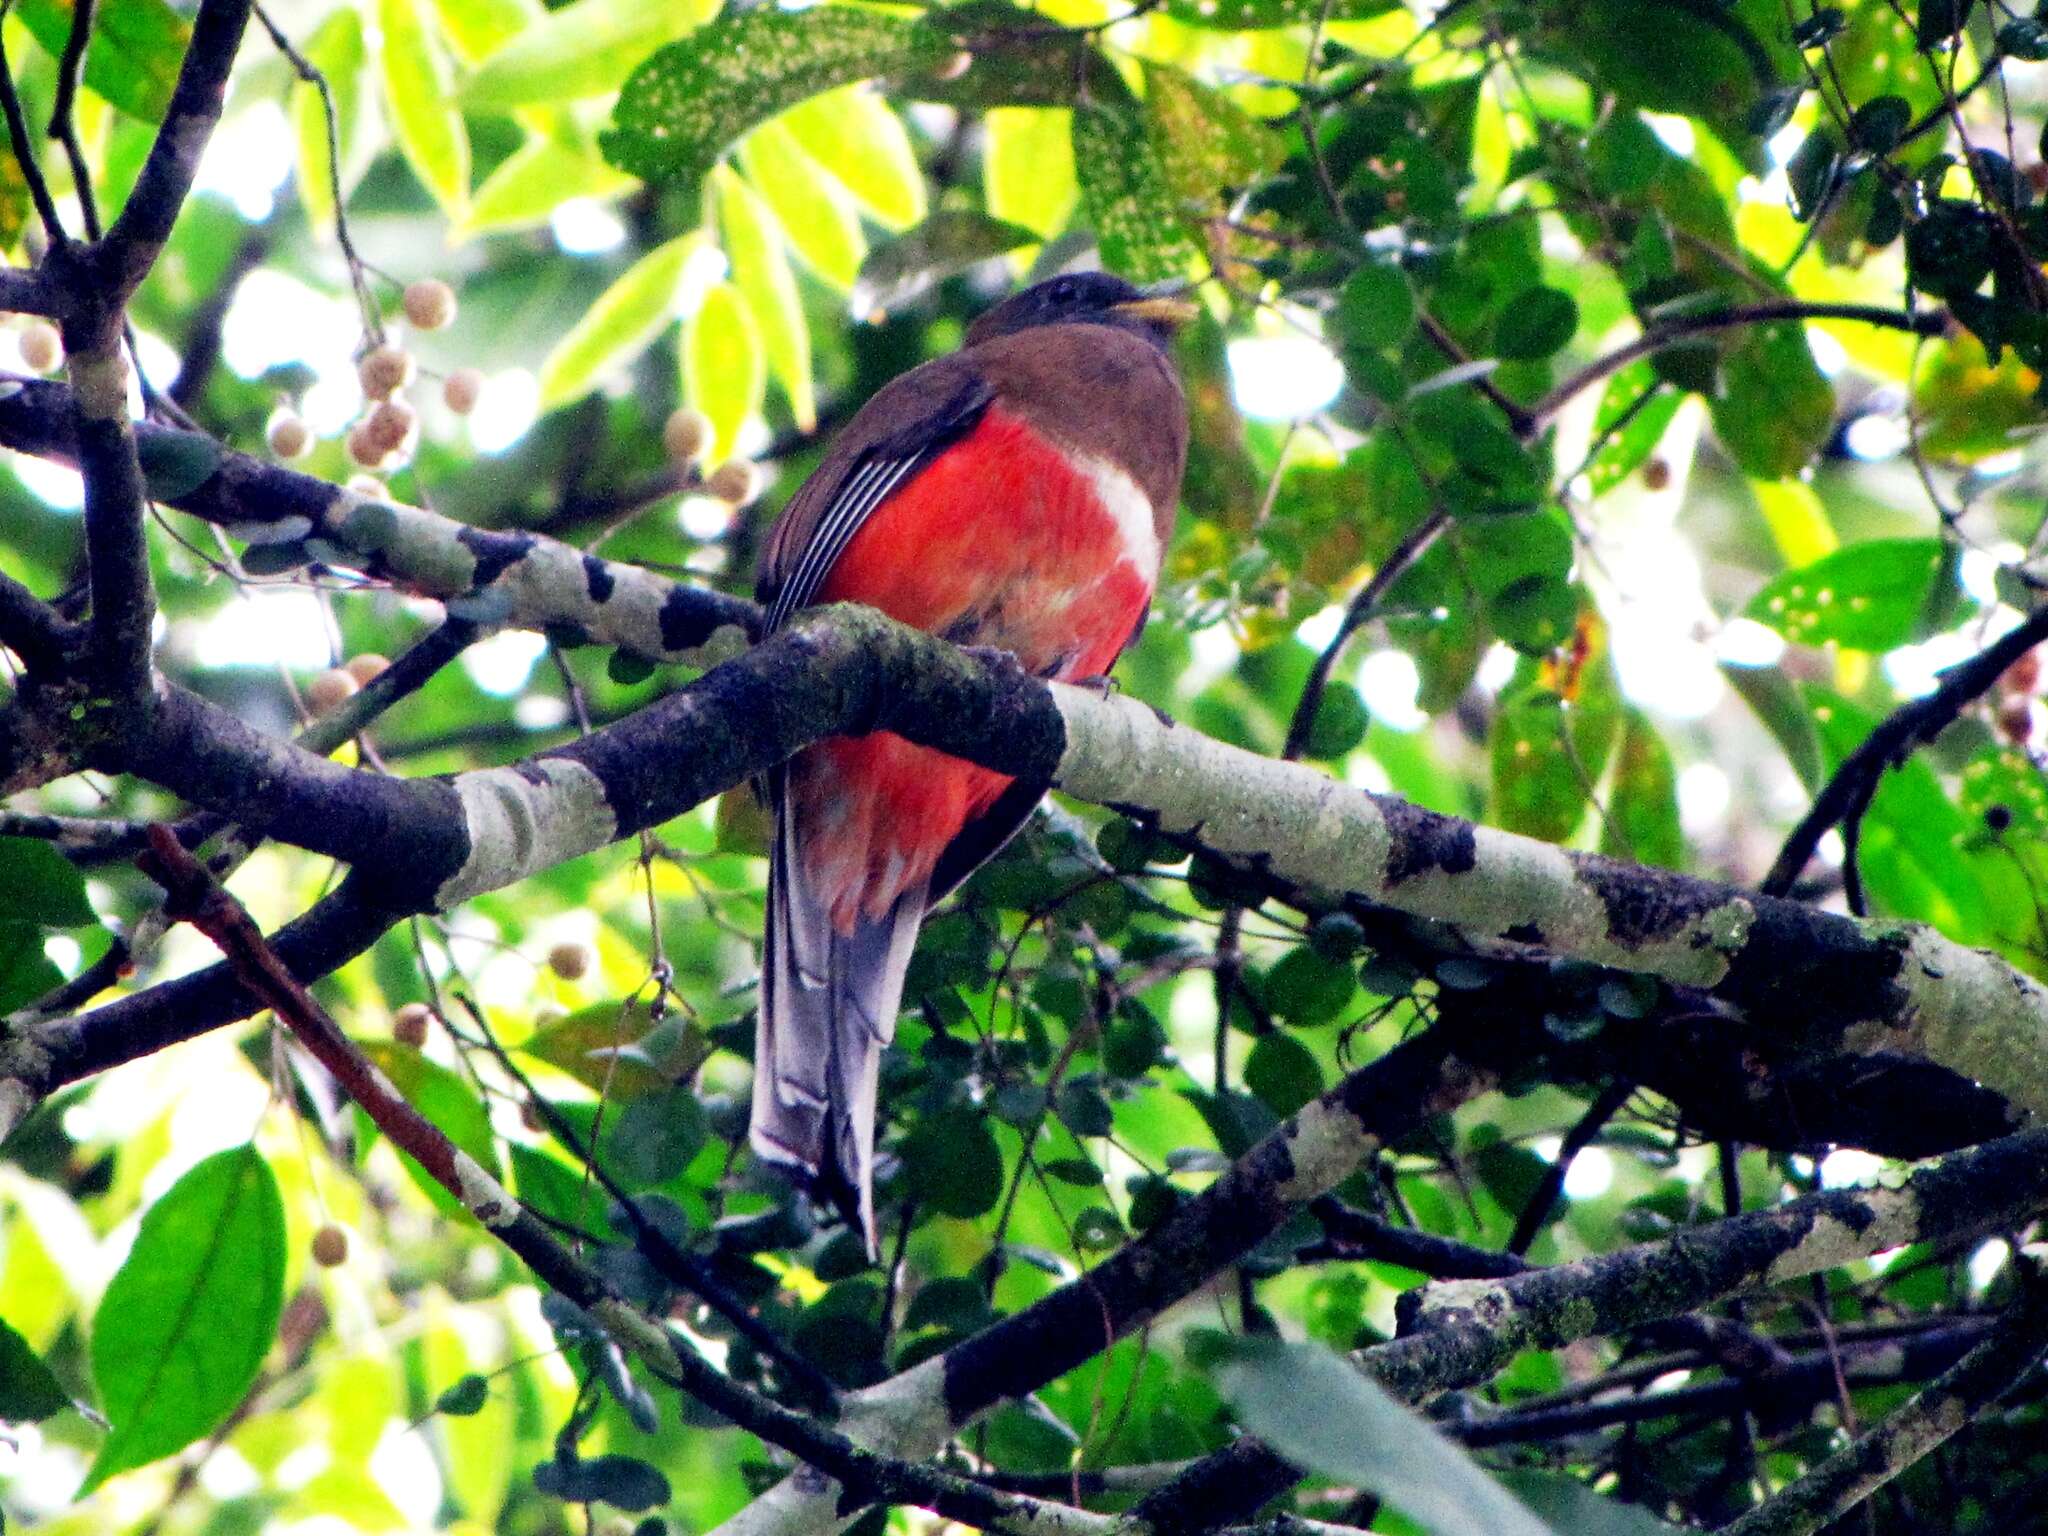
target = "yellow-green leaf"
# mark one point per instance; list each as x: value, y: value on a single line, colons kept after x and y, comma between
x: 417, y: 93
x: 816, y: 213
x: 724, y: 374
x: 1027, y: 168
x: 857, y: 136
x: 681, y: 108
x: 532, y: 182
x: 626, y: 317
x: 1206, y: 142
x: 337, y: 50
x: 760, y: 270
x: 1129, y: 201
x: 1798, y: 522
x: 475, y: 29
x: 585, y: 49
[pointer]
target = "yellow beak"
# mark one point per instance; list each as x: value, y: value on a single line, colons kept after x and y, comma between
x: 1165, y: 309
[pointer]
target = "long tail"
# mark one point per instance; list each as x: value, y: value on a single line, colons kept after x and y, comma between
x: 828, y: 1007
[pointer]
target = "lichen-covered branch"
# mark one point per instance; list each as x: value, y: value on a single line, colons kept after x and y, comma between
x: 1912, y: 1432
x: 514, y: 579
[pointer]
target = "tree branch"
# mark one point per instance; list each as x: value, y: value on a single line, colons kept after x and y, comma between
x: 1665, y: 333
x: 1915, y: 1430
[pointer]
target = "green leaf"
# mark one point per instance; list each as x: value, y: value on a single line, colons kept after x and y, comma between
x: 760, y: 270
x: 724, y: 372
x: 448, y: 1100
x: 183, y: 1326
x: 29, y: 1390
x: 1316, y: 1409
x: 1870, y: 596
x: 624, y: 1482
x: 584, y: 49
x: 1376, y: 307
x: 1633, y: 440
x: 953, y: 1164
x: 136, y: 48
x: 39, y: 886
x: 1547, y: 755
x: 1641, y: 823
x: 1207, y: 143
x: 466, y: 1396
x: 1879, y: 125
x: 1305, y: 987
x: 26, y: 973
x: 339, y: 51
x: 857, y: 137
x: 680, y: 109
x: 653, y: 1139
x: 1282, y: 1073
x: 1810, y: 173
x: 612, y: 1049
x: 1027, y: 168
x: 619, y: 326
x: 1775, y: 408
x: 817, y: 215
x: 1129, y: 201
x: 1535, y: 324
x: 951, y: 240
x: 419, y: 97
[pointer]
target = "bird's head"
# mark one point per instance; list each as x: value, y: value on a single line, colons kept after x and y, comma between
x: 1087, y: 298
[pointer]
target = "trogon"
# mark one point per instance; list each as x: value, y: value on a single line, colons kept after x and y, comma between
x: 1016, y: 495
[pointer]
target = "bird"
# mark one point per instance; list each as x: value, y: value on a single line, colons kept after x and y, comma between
x: 1016, y: 495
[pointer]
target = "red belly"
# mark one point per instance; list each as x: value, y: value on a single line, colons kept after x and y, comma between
x: 1000, y: 541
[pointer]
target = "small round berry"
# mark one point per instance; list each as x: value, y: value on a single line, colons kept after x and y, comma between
x: 2024, y: 675
x: 330, y: 1247
x: 41, y: 347
x: 369, y: 487
x: 735, y: 482
x: 461, y: 390
x: 365, y: 447
x: 327, y: 692
x: 366, y: 667
x: 385, y: 370
x: 569, y: 960
x: 686, y: 434
x: 409, y: 1024
x: 1997, y: 817
x: 430, y: 304
x: 1656, y: 474
x: 289, y: 437
x: 391, y: 423
x: 2016, y: 719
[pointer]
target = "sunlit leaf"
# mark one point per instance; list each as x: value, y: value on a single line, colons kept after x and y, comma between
x: 855, y: 134
x: 1274, y: 13
x: 418, y: 97
x: 1027, y: 168
x: 760, y: 270
x: 476, y: 29
x: 1869, y: 596
x: 183, y: 1326
x: 584, y: 49
x: 339, y: 51
x: 626, y: 317
x: 680, y: 109
x: 529, y: 184
x: 724, y: 371
x: 817, y: 215
x: 1207, y: 144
